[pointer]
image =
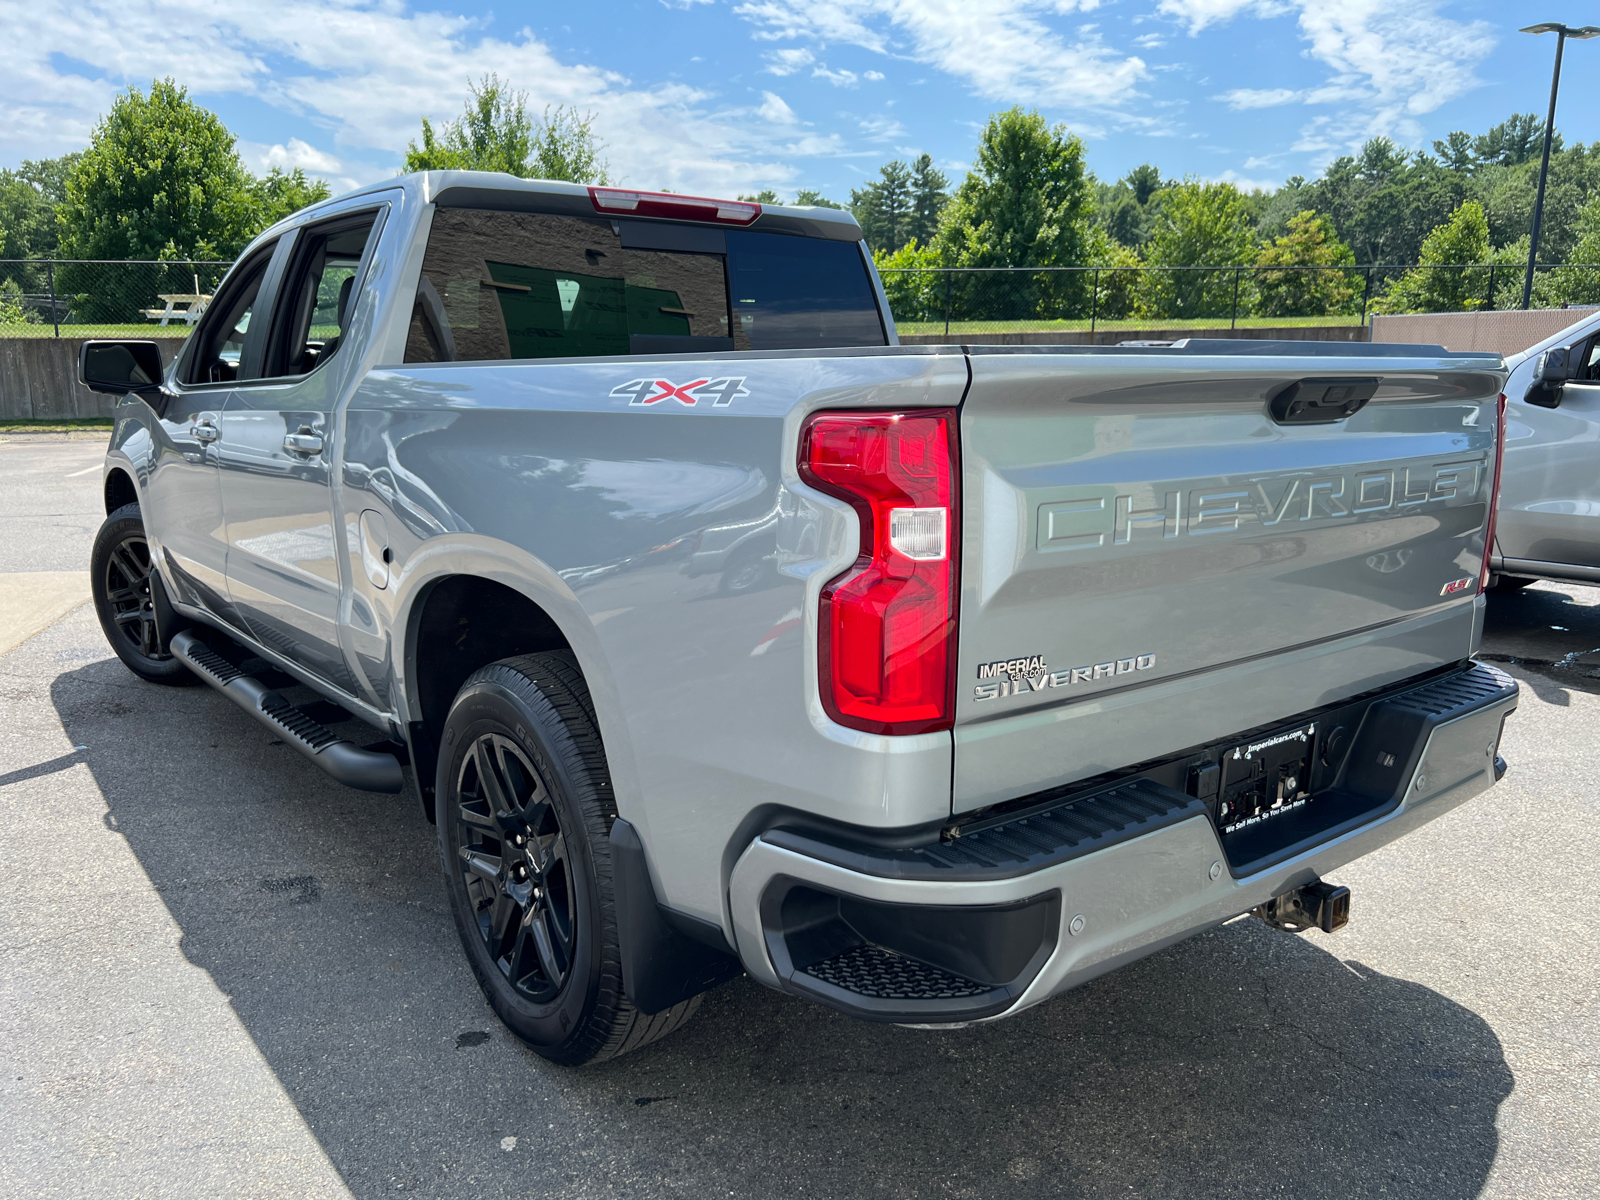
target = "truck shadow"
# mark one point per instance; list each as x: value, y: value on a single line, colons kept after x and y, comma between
x: 1244, y: 1062
x: 1551, y: 631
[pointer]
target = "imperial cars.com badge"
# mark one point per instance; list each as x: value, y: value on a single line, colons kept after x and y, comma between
x: 1030, y: 673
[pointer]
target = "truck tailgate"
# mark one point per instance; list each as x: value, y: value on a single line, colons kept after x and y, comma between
x: 1151, y: 560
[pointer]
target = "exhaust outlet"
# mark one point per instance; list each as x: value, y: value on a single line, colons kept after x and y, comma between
x: 1315, y: 905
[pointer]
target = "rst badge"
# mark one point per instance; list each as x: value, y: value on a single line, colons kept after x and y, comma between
x: 1457, y: 585
x: 642, y: 393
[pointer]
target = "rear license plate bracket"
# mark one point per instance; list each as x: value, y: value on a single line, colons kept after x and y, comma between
x: 1265, y: 778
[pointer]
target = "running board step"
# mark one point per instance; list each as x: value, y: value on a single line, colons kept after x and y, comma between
x: 342, y: 760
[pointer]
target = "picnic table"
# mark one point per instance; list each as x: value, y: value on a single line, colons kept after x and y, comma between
x: 194, y: 302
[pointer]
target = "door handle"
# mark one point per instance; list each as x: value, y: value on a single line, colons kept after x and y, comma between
x: 204, y: 431
x: 303, y: 443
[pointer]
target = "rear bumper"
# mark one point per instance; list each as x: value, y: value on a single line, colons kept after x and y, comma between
x: 987, y: 926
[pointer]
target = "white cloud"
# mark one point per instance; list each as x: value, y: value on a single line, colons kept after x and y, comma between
x: 298, y: 154
x: 1003, y: 49
x: 882, y: 129
x: 845, y: 79
x: 1241, y: 98
x: 1197, y: 14
x: 775, y: 110
x: 874, y: 76
x: 1390, y: 61
x: 1247, y: 185
x: 364, y: 72
x: 787, y: 62
x: 1150, y: 41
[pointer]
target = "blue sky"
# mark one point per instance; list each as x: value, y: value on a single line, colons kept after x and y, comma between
x: 721, y: 96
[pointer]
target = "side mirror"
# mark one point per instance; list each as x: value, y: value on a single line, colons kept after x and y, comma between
x: 1551, y: 370
x: 117, y: 368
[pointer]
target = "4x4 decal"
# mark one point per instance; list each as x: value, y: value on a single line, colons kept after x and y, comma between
x: 644, y: 392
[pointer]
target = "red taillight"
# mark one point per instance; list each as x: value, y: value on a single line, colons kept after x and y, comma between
x: 1494, y: 492
x: 614, y: 201
x: 888, y: 624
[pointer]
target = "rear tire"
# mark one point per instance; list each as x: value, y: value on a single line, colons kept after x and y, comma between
x: 120, y: 567
x: 524, y: 811
x: 1510, y: 583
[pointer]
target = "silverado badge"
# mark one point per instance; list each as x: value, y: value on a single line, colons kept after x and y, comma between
x: 1030, y: 673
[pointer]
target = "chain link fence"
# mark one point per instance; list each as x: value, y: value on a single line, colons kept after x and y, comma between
x: 959, y: 301
x: 114, y: 298
x: 89, y: 298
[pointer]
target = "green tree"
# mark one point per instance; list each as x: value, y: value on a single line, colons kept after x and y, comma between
x: 13, y: 309
x: 929, y: 194
x: 1025, y: 203
x: 913, y: 285
x: 160, y: 177
x: 810, y: 198
x: 1433, y: 286
x: 1117, y: 281
x: 495, y: 133
x: 883, y: 208
x: 1384, y: 201
x: 277, y: 194
x: 1198, y: 225
x: 29, y: 198
x: 1507, y: 194
x: 1577, y: 283
x: 160, y: 180
x: 764, y: 196
x: 565, y: 146
x: 1122, y: 209
x: 1309, y: 242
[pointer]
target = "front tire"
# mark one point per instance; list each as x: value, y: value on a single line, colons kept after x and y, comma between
x: 120, y: 568
x: 525, y: 810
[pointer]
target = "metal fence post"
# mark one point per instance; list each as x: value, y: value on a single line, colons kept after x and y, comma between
x: 1234, y: 324
x: 50, y: 276
x: 1094, y: 305
x: 1490, y: 302
x: 947, y: 275
x: 1366, y: 296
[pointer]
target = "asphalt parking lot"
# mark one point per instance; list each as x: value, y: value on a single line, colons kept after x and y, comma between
x: 223, y: 974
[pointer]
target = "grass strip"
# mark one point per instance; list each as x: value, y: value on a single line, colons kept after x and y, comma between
x: 55, y: 424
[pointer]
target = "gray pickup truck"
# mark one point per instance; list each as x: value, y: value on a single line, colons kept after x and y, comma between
x: 722, y: 633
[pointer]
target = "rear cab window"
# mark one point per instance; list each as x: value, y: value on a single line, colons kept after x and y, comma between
x: 511, y: 285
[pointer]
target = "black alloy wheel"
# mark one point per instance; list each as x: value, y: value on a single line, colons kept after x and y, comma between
x: 513, y: 861
x: 121, y: 567
x: 524, y: 803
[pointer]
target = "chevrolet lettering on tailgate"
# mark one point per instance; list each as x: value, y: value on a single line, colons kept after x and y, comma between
x: 1106, y: 516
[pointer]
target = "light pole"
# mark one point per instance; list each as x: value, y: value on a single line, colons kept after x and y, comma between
x: 1562, y: 32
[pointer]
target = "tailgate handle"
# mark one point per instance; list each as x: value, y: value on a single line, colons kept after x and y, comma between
x: 1321, y: 401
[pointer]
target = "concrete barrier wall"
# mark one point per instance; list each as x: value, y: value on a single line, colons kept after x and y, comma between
x: 39, y: 376
x: 39, y: 379
x: 1508, y: 332
x: 1110, y: 337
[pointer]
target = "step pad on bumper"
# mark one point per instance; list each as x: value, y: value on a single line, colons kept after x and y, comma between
x: 1017, y: 846
x: 874, y: 971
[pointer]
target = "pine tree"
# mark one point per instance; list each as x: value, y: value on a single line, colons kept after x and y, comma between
x: 883, y: 208
x: 929, y: 194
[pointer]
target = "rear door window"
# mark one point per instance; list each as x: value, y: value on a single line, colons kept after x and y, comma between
x: 504, y: 285
x: 527, y: 285
x: 315, y: 305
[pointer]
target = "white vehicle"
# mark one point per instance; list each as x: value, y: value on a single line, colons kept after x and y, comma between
x: 1548, y: 522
